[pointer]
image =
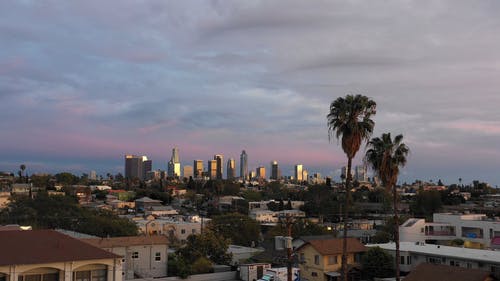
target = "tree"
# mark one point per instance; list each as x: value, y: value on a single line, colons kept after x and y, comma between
x: 350, y: 119
x: 208, y: 244
x: 23, y: 168
x: 240, y: 229
x: 386, y: 156
x: 377, y: 263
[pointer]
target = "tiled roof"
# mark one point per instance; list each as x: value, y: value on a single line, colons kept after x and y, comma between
x: 127, y: 241
x: 45, y: 246
x: 334, y: 246
x: 434, y: 272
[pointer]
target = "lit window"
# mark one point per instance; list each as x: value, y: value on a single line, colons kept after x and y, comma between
x: 332, y: 260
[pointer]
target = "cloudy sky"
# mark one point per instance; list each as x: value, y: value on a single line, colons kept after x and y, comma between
x: 84, y: 82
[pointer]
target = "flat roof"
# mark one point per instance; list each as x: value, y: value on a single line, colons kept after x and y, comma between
x: 443, y: 251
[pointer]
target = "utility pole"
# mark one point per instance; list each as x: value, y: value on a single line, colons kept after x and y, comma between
x: 289, y: 222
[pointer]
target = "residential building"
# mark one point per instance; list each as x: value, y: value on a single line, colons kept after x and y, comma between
x: 219, y: 158
x: 143, y: 256
x: 243, y: 165
x: 145, y: 203
x: 263, y: 205
x: 298, y: 173
x: 174, y: 228
x: 415, y: 253
x: 212, y: 169
x: 274, y: 170
x: 476, y: 230
x: 36, y: 255
x: 198, y: 168
x: 231, y: 169
x: 188, y: 172
x: 320, y: 260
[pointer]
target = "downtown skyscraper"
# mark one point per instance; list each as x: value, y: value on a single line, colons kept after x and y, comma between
x: 231, y: 169
x: 219, y: 158
x: 174, y: 165
x: 136, y: 167
x: 243, y: 165
x: 275, y: 172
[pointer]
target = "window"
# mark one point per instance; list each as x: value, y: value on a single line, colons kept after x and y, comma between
x: 82, y: 275
x: 51, y: 277
x: 316, y: 259
x: 332, y: 260
x: 33, y: 277
x: 357, y: 257
x: 302, y: 257
x: 408, y: 260
x: 402, y: 258
x: 314, y: 274
x: 193, y: 231
x: 469, y: 265
x: 99, y: 275
x: 135, y: 255
x: 157, y: 256
x: 183, y: 231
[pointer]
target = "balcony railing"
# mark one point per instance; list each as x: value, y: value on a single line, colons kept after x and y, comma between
x: 440, y: 233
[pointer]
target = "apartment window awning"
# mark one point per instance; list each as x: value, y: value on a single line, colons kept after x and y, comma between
x: 332, y: 274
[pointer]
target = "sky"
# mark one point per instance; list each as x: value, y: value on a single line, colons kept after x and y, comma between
x: 84, y: 82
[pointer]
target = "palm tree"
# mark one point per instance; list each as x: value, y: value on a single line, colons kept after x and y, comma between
x: 386, y: 156
x: 349, y: 120
x: 21, y: 175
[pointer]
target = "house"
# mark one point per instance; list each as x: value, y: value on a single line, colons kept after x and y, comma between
x: 143, y: 256
x: 476, y: 230
x: 320, y: 259
x: 146, y: 203
x: 52, y: 256
x: 413, y: 254
x: 436, y: 272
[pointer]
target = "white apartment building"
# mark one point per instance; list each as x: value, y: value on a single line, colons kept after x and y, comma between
x: 144, y: 256
x: 415, y: 253
x: 266, y: 216
x: 170, y: 227
x: 476, y: 230
x: 262, y: 205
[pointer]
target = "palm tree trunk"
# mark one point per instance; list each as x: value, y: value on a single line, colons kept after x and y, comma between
x: 396, y: 229
x: 345, y: 217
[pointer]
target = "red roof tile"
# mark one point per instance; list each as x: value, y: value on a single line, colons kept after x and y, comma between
x: 45, y: 246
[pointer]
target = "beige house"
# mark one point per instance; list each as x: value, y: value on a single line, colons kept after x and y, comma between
x: 143, y: 256
x: 320, y: 260
x: 47, y: 255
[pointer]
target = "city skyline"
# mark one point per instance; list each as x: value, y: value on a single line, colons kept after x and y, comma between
x: 82, y: 84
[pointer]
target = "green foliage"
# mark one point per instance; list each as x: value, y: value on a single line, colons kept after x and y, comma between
x: 321, y: 201
x: 299, y: 228
x: 209, y: 244
x: 377, y: 263
x: 67, y: 178
x: 251, y: 195
x: 381, y: 237
x: 177, y: 266
x: 238, y: 228
x: 426, y: 203
x: 46, y: 211
x: 201, y: 265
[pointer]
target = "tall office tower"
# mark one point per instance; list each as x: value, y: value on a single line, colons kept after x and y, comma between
x: 147, y: 166
x: 212, y: 169
x: 198, y: 168
x: 174, y: 165
x: 360, y: 173
x: 343, y: 172
x: 243, y: 165
x: 134, y: 166
x: 231, y: 169
x: 305, y: 175
x: 261, y: 172
x: 298, y: 172
x: 252, y: 175
x: 93, y: 175
x: 188, y: 171
x: 220, y: 165
x: 274, y: 170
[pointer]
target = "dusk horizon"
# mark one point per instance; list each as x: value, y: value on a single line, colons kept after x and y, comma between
x: 86, y: 82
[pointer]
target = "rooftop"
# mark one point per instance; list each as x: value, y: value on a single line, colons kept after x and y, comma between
x: 334, y: 246
x: 434, y: 272
x: 46, y: 246
x: 443, y: 251
x: 126, y: 241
